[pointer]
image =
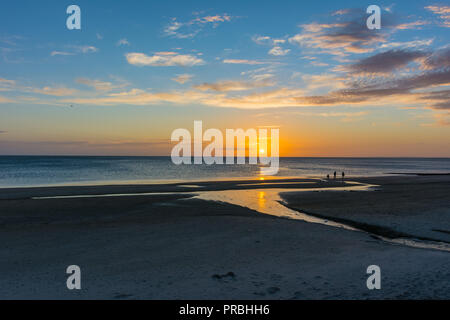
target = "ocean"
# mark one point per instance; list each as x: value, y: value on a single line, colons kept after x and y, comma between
x: 20, y: 171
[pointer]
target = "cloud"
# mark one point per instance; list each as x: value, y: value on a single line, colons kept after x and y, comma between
x: 12, y: 85
x: 99, y: 85
x: 58, y: 92
x: 314, y: 81
x: 278, y: 51
x: 443, y: 12
x: 140, y: 97
x: 226, y: 86
x: 266, y: 40
x: 443, y: 119
x: 213, y: 19
x: 412, y: 25
x: 341, y: 12
x: 338, y: 38
x: 86, y: 49
x: 261, y: 76
x: 2, y: 131
x: 75, y: 49
x: 319, y: 64
x: 158, y: 60
x: 173, y: 30
x: 242, y: 61
x: 280, y: 97
x: 385, y: 62
x: 398, y: 91
x: 182, y: 78
x: 408, y: 44
x: 189, y: 29
x: 438, y: 100
x: 7, y: 85
x: 7, y: 81
x: 5, y: 100
x: 122, y: 42
x: 61, y: 53
x: 439, y: 59
x: 261, y: 39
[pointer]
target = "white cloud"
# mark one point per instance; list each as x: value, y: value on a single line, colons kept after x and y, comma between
x: 213, y: 19
x: 75, y: 49
x: 261, y: 39
x: 278, y: 51
x: 86, y: 49
x: 163, y: 60
x: 123, y: 42
x: 61, y: 53
x: 266, y: 40
x: 190, y: 29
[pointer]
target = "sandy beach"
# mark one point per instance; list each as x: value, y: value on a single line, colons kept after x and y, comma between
x: 172, y: 245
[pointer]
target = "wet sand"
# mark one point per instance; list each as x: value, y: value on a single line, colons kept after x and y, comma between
x: 174, y: 246
x: 414, y: 206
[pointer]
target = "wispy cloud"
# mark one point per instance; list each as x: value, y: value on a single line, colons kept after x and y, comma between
x: 443, y: 12
x: 183, y: 78
x: 6, y: 84
x: 278, y: 51
x: 242, y: 61
x: 340, y: 12
x: 99, y: 85
x: 412, y: 25
x: 408, y: 44
x: 5, y: 100
x: 58, y: 92
x: 86, y: 49
x: 123, y: 42
x: 61, y: 53
x: 73, y: 50
x: 440, y: 59
x: 340, y: 37
x: 163, y: 59
x: 191, y: 28
x: 227, y: 86
x: 385, y: 62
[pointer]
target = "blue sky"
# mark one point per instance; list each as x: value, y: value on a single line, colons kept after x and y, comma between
x: 139, y: 69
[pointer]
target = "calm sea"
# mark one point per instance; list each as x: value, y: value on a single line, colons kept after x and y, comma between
x: 18, y: 171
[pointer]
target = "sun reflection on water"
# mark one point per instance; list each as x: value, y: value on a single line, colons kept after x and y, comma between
x: 261, y: 200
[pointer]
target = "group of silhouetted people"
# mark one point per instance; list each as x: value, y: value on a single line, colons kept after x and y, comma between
x: 343, y: 175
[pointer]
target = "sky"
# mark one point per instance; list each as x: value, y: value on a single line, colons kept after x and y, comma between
x: 138, y: 70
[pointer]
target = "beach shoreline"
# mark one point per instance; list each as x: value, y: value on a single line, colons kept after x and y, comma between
x: 176, y: 246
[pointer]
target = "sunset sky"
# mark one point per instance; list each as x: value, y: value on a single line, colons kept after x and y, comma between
x: 137, y: 70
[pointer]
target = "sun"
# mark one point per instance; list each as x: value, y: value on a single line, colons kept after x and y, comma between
x: 261, y: 151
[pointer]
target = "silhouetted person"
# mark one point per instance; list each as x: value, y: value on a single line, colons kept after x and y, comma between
x: 343, y: 175
x: 328, y: 177
x: 335, y: 175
